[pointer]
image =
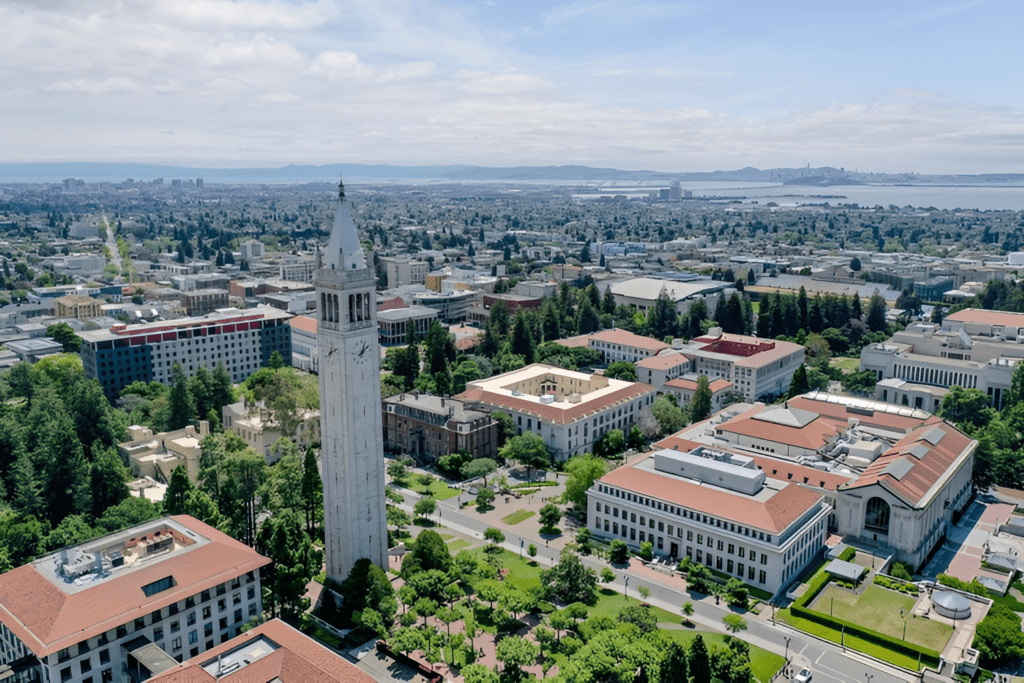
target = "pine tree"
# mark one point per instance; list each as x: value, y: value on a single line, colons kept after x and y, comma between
x: 700, y: 404
x: 522, y: 340
x: 107, y: 476
x: 876, y: 313
x: 312, y: 491
x: 799, y: 384
x: 181, y: 410
x: 177, y: 493
x: 699, y: 661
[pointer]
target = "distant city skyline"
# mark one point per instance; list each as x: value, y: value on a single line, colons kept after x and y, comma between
x: 662, y: 86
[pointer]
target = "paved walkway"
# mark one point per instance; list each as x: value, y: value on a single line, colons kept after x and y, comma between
x: 965, y: 543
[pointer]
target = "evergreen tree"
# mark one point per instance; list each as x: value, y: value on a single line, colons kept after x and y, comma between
x: 608, y: 302
x: 177, y: 493
x: 855, y: 310
x: 222, y: 389
x: 295, y: 562
x: 801, y: 304
x: 276, y: 360
x: 108, y: 476
x: 180, y: 407
x: 585, y: 253
x: 312, y: 491
x: 876, y: 313
x: 522, y: 340
x: 23, y: 486
x: 700, y: 404
x: 699, y: 662
x: 799, y: 384
x: 200, y: 386
x: 587, y: 319
x: 673, y: 666
x: 662, y: 317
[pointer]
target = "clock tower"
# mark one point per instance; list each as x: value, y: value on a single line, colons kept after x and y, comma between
x: 351, y: 436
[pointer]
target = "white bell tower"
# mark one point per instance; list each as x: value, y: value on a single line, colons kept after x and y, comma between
x: 351, y: 435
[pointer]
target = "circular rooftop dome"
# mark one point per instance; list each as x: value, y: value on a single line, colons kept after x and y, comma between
x: 952, y: 605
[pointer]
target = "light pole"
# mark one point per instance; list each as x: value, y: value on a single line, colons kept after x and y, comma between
x: 625, y: 592
x: 869, y: 676
x: 787, y: 650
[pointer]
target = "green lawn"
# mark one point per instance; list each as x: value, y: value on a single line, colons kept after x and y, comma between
x: 518, y: 516
x: 846, y: 364
x: 457, y: 545
x: 763, y: 664
x: 852, y: 642
x: 523, y: 572
x: 879, y: 609
x: 437, y: 490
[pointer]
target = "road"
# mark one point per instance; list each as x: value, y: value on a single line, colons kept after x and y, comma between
x: 115, y: 255
x: 827, y: 661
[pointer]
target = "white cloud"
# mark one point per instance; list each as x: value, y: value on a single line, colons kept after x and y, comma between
x: 408, y: 70
x: 244, y: 14
x: 90, y: 86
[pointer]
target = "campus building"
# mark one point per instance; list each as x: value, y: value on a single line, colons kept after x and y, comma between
x: 426, y: 427
x: 973, y: 348
x: 716, y: 508
x: 129, y: 604
x: 242, y: 340
x: 756, y: 367
x: 570, y: 410
x: 895, y: 476
x: 623, y: 345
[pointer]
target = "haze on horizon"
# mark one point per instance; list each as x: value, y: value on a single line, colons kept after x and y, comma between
x: 666, y: 86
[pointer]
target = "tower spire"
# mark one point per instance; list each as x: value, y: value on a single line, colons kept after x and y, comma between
x: 341, y: 188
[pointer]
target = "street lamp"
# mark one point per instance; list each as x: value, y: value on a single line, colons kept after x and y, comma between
x: 869, y: 676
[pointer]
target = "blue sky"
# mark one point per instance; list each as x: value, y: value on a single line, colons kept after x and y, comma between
x: 672, y: 86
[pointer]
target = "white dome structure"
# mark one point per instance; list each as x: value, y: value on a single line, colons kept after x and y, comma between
x: 950, y: 604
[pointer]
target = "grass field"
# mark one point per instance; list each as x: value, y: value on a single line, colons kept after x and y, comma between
x: 763, y: 664
x: 879, y: 609
x: 457, y: 545
x: 846, y: 364
x: 437, y: 490
x: 852, y: 642
x: 518, y: 516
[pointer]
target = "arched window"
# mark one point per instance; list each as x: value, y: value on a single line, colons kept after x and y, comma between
x: 359, y: 306
x: 323, y: 306
x: 351, y: 308
x: 366, y: 307
x: 876, y: 518
x: 337, y: 313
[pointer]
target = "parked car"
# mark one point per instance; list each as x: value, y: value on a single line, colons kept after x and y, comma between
x: 803, y: 677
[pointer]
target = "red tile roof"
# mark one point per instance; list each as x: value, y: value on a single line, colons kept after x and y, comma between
x: 982, y: 317
x: 663, y: 362
x: 46, y: 619
x: 774, y: 515
x: 552, y: 413
x: 298, y: 659
x: 716, y: 385
x: 573, y: 342
x: 390, y: 304
x: 627, y: 338
x: 304, y: 323
x: 813, y: 436
x: 926, y: 470
x: 838, y: 413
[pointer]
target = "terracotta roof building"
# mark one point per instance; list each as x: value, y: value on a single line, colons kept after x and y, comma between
x: 756, y: 367
x: 716, y: 508
x: 895, y: 475
x: 140, y: 599
x: 271, y: 652
x: 570, y: 410
x: 623, y: 345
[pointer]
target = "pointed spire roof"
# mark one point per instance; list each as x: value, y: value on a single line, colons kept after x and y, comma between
x: 344, y: 252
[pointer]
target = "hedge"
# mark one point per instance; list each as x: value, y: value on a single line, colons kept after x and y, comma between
x: 848, y: 554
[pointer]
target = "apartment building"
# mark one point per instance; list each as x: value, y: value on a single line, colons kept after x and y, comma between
x: 403, y: 271
x: 203, y: 301
x: 570, y: 410
x: 252, y: 250
x: 716, y: 508
x: 623, y: 345
x: 305, y: 355
x: 684, y: 387
x: 426, y: 427
x: 129, y: 604
x: 973, y: 348
x: 242, y: 340
x: 393, y: 324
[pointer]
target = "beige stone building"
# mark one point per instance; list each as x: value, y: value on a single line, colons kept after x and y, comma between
x: 77, y: 306
x: 156, y: 455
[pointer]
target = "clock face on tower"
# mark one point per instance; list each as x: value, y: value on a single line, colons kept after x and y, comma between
x: 361, y: 353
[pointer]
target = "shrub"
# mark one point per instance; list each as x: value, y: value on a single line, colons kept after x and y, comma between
x: 618, y: 552
x: 974, y: 586
x: 900, y: 571
x: 848, y: 554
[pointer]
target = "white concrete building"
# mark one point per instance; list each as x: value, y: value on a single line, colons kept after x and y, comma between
x: 569, y: 410
x: 974, y: 349
x: 130, y: 604
x: 304, y: 344
x: 252, y: 250
x: 260, y: 429
x: 403, y: 271
x: 622, y: 345
x: 715, y: 507
x: 641, y: 293
x: 351, y: 428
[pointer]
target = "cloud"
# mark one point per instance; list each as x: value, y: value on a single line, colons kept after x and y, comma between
x: 245, y: 14
x: 408, y: 70
x: 93, y: 87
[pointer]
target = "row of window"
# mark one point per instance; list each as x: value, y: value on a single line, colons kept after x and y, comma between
x: 725, y: 525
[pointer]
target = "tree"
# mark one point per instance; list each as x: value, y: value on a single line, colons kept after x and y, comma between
x: 529, y: 450
x: 662, y: 319
x: 737, y: 592
x: 967, y: 408
x: 478, y: 673
x: 367, y: 586
x: 425, y: 506
x: 570, y: 580
x: 180, y: 408
x: 855, y: 265
x: 484, y: 498
x: 427, y: 552
x: 618, y: 552
x: 621, y: 369
x: 515, y: 652
x: 734, y: 623
x: 128, y: 512
x: 646, y: 551
x: 523, y: 343
x: 698, y: 660
x: 700, y: 404
x: 276, y: 360
x: 640, y: 616
x: 398, y: 518
x: 673, y: 666
x: 72, y: 530
x: 295, y: 562
x: 670, y: 417
x: 531, y: 550
x: 479, y: 467
x: 583, y: 471
x: 688, y: 608
x: 65, y: 336
x: 798, y: 384
x: 107, y: 477
x: 494, y: 536
x: 876, y: 313
x: 312, y: 491
x: 998, y: 637
x: 550, y: 515
x: 611, y: 444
